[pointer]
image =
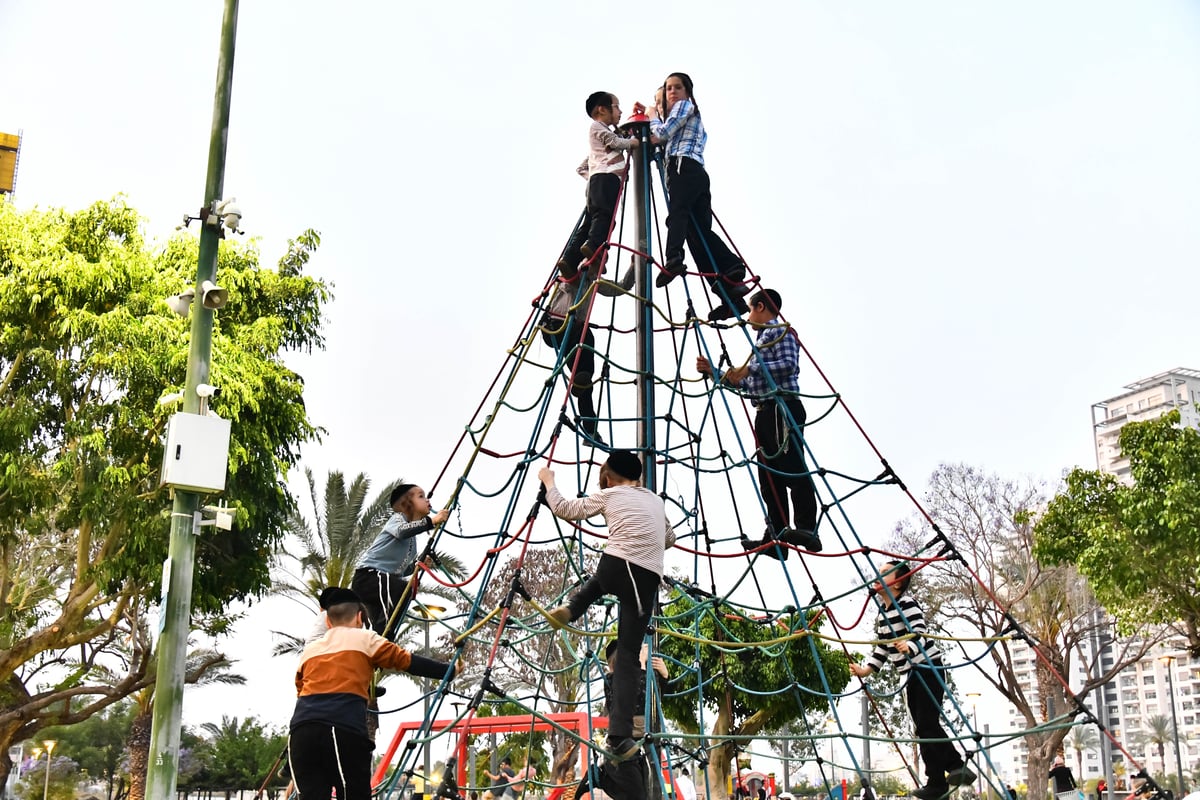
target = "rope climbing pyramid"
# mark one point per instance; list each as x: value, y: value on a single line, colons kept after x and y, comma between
x: 758, y: 614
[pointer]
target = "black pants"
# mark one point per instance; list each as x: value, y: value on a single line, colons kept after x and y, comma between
x: 924, y: 692
x: 324, y: 759
x: 782, y: 469
x: 636, y: 590
x: 690, y: 219
x: 602, y: 192
x: 564, y: 342
x: 380, y: 592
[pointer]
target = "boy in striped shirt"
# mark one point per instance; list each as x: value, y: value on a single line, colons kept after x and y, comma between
x: 631, y: 568
x: 920, y: 658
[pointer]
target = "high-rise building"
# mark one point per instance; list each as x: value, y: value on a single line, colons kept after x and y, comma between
x: 1142, y: 400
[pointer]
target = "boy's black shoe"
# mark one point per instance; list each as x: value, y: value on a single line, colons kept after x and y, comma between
x: 670, y: 272
x: 808, y: 541
x: 931, y: 792
x: 780, y: 553
x: 567, y: 269
x: 622, y: 749
x: 380, y: 691
x: 724, y: 311
x: 963, y: 776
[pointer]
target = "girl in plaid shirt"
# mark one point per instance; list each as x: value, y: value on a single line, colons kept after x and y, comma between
x: 690, y: 216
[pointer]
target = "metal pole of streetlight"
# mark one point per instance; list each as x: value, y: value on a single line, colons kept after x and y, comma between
x: 163, y: 769
x: 429, y: 613
x: 1169, y: 661
x: 975, y: 730
x: 49, y: 752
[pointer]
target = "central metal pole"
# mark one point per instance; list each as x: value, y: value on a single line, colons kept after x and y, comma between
x: 645, y: 284
x: 163, y: 767
x: 428, y: 688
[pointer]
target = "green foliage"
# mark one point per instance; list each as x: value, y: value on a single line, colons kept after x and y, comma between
x: 1137, y: 545
x: 97, y: 744
x: 749, y: 677
x: 238, y: 754
x: 64, y: 773
x: 87, y: 348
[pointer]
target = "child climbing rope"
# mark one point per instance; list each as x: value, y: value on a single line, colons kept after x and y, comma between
x: 920, y: 658
x: 690, y: 215
x: 782, y: 470
x: 631, y: 567
x: 384, y: 569
x: 604, y: 169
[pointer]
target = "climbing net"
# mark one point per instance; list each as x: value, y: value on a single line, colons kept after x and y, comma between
x: 756, y: 646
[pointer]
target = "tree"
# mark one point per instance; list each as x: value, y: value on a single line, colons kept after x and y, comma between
x: 1137, y: 545
x: 1158, y: 733
x: 87, y: 348
x: 1083, y: 739
x: 989, y: 522
x: 330, y: 547
x: 64, y: 773
x: 204, y: 667
x: 741, y: 682
x: 97, y: 744
x: 530, y: 661
x: 241, y: 753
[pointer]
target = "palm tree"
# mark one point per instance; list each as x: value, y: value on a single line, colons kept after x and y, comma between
x: 331, y: 547
x: 1083, y: 739
x: 203, y: 667
x: 1158, y: 732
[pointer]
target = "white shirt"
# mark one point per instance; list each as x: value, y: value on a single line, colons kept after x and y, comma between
x: 687, y: 789
x: 638, y: 530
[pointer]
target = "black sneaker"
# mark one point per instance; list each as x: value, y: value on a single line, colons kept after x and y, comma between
x: 806, y: 540
x: 380, y: 691
x: 670, y: 272
x: 774, y: 551
x: 621, y: 749
x: 963, y: 776
x: 930, y: 792
x: 724, y: 311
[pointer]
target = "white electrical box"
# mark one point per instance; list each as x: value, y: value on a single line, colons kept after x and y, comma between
x: 196, y: 458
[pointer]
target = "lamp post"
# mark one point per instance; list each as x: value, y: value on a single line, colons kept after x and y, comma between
x: 429, y: 614
x: 49, y: 743
x: 974, y: 698
x: 175, y: 616
x: 1169, y: 662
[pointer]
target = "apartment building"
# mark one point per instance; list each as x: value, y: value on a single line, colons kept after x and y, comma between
x: 1142, y: 400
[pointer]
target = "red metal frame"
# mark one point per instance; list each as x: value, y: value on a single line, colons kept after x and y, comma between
x: 576, y: 721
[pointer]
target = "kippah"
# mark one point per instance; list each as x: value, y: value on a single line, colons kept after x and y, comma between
x: 399, y: 492
x: 625, y: 464
x: 336, y: 595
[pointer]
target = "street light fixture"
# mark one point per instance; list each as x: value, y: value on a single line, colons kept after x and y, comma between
x: 49, y: 743
x: 1169, y: 662
x: 429, y: 613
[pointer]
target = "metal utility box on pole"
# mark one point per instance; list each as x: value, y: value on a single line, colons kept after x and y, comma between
x: 175, y: 622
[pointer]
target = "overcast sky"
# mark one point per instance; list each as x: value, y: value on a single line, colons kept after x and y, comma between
x: 981, y: 216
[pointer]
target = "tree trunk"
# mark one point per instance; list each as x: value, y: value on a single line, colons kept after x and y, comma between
x: 720, y: 757
x: 139, y: 754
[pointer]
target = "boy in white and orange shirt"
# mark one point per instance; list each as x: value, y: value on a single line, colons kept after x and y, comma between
x: 328, y: 747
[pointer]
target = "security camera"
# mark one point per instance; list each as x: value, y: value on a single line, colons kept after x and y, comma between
x: 230, y: 213
x: 205, y: 390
